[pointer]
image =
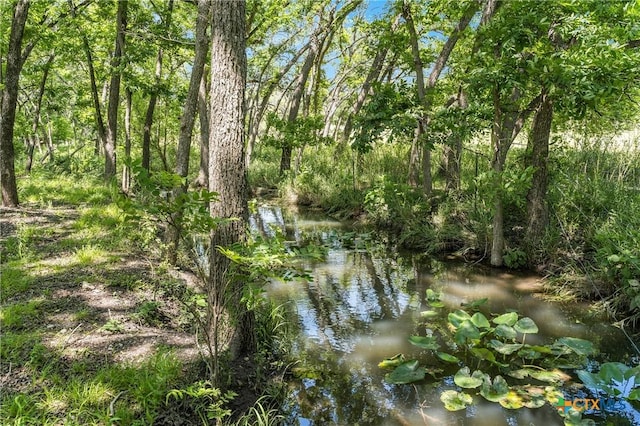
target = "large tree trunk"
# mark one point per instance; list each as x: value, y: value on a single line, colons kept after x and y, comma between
x: 227, y: 173
x: 187, y: 121
x: 537, y: 207
x: 114, y: 93
x: 9, y: 104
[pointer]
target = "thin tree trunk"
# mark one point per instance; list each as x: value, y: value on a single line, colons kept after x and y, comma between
x: 9, y: 104
x: 204, y: 116
x: 126, y: 171
x: 153, y: 98
x: 296, y: 100
x: 537, y: 206
x: 114, y: 93
x: 227, y: 174
x: 186, y: 123
x: 33, y: 139
x: 438, y: 66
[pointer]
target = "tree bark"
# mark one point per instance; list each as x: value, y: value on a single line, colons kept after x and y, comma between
x: 204, y: 117
x: 9, y: 104
x: 227, y: 174
x: 537, y: 206
x: 114, y: 93
x: 126, y: 171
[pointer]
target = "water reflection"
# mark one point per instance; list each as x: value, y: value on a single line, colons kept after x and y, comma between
x: 362, y: 305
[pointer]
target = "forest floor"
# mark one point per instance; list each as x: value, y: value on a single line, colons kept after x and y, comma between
x: 76, y: 305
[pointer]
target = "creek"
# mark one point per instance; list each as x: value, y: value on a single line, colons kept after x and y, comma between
x: 364, y: 301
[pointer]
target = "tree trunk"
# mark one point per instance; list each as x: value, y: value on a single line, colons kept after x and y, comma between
x: 204, y: 116
x: 114, y: 93
x: 296, y: 100
x: 452, y: 151
x: 9, y: 104
x: 36, y: 114
x: 186, y: 123
x: 227, y: 174
x: 537, y: 207
x: 153, y: 98
x: 126, y: 171
x: 438, y: 66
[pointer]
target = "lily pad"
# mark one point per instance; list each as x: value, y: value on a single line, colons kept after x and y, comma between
x: 554, y: 376
x: 392, y: 362
x: 495, y: 391
x: 408, y: 372
x: 579, y: 346
x: 466, y: 331
x: 509, y: 319
x: 447, y: 357
x: 512, y: 401
x: 458, y: 317
x: 526, y: 326
x: 505, y: 331
x: 480, y: 321
x: 505, y: 348
x: 520, y: 373
x: 426, y: 342
x: 454, y: 400
x: 468, y: 381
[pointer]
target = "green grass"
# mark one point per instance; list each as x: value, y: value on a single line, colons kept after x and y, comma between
x: 14, y: 280
x: 21, y: 316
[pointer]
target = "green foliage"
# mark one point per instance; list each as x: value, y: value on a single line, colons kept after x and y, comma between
x: 614, y: 379
x: 390, y: 113
x: 21, y: 316
x: 208, y: 402
x: 496, y: 348
x: 294, y: 134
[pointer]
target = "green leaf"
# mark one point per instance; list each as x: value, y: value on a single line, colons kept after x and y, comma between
x: 475, y: 304
x: 466, y: 331
x: 512, y: 401
x: 508, y: 319
x: 454, y: 401
x: 427, y: 342
x: 506, y: 332
x: 408, y: 372
x: 394, y: 361
x: 578, y: 346
x: 480, y: 320
x: 554, y: 376
x: 447, y: 357
x: 634, y: 395
x: 526, y: 326
x: 484, y: 354
x: 591, y: 380
x: 429, y: 314
x: 495, y: 391
x: 468, y: 381
x: 458, y: 317
x: 505, y: 348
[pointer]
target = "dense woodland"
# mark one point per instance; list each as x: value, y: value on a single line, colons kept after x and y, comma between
x: 500, y: 132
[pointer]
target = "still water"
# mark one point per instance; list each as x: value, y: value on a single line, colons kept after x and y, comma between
x: 362, y: 304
